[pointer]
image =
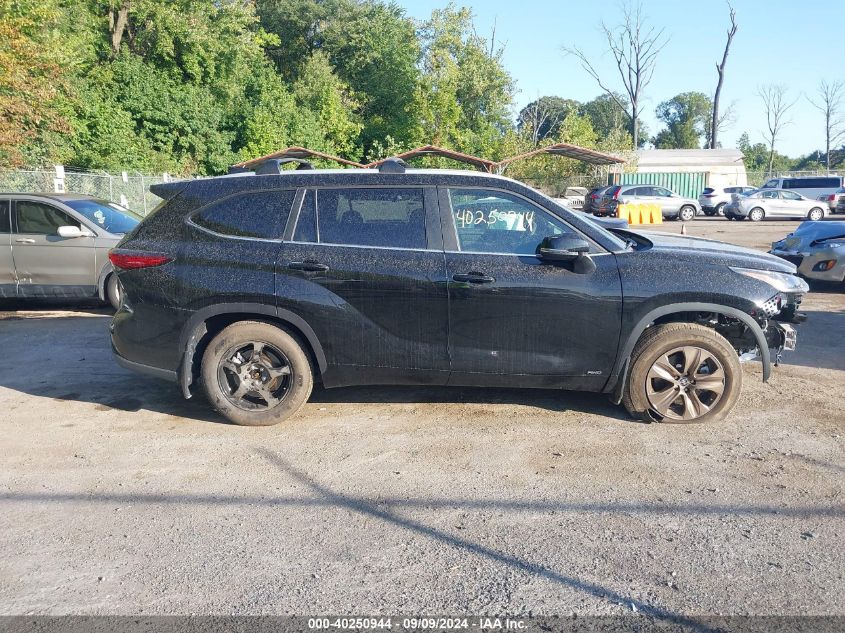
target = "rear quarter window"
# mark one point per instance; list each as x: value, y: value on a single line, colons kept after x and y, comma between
x: 260, y: 214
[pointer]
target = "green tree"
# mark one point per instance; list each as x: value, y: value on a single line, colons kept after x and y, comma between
x: 465, y: 93
x: 542, y: 118
x: 686, y: 116
x: 608, y: 119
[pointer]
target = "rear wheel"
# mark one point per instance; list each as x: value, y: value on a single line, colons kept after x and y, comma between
x: 113, y: 291
x: 756, y: 214
x: 720, y: 208
x: 687, y: 213
x: 681, y: 373
x: 815, y: 214
x: 256, y: 374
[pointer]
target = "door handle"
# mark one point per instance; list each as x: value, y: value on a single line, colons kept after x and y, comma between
x: 24, y: 240
x: 474, y: 278
x: 309, y: 266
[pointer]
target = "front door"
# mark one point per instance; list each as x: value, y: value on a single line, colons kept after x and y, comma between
x: 47, y: 264
x: 8, y: 286
x: 515, y: 316
x: 364, y: 267
x: 792, y: 204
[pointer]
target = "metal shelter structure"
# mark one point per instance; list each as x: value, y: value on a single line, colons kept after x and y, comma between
x: 296, y: 153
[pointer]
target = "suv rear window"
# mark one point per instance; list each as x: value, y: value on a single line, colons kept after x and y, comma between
x: 710, y: 190
x: 261, y: 214
x: 372, y: 216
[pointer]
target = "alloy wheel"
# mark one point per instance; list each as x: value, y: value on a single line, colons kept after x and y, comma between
x: 254, y: 376
x: 815, y: 215
x: 685, y: 383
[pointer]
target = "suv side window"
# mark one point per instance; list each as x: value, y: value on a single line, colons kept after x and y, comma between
x: 261, y: 214
x: 5, y: 218
x: 772, y: 184
x: 37, y: 218
x: 489, y: 221
x: 660, y: 192
x: 372, y: 216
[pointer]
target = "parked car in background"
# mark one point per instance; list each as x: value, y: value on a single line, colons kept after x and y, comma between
x: 574, y: 198
x: 714, y: 199
x: 673, y: 206
x: 592, y: 199
x: 775, y: 203
x: 809, y: 186
x: 835, y: 201
x: 816, y: 248
x: 259, y: 286
x: 56, y: 245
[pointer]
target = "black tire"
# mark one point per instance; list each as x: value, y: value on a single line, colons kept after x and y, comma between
x: 756, y: 214
x: 709, y: 212
x: 113, y: 291
x: 687, y: 213
x: 278, y: 347
x: 665, y: 340
x: 815, y: 214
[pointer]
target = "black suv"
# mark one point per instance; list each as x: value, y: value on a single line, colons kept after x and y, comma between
x: 257, y: 285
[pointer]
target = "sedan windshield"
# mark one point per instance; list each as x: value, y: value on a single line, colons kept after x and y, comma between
x: 107, y: 215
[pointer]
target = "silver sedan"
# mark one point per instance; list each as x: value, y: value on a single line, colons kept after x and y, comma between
x: 776, y: 203
x: 818, y: 249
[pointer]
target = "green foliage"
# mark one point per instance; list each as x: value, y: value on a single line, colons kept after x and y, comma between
x: 686, y: 116
x: 465, y: 93
x: 610, y: 121
x: 543, y: 118
x: 756, y: 156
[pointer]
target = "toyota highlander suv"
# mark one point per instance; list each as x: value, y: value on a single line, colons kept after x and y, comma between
x: 257, y: 285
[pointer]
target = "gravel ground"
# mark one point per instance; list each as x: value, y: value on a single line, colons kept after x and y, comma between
x: 119, y: 497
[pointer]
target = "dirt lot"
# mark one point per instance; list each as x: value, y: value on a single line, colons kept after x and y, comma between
x: 116, y: 496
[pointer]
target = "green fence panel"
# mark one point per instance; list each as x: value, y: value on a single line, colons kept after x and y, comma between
x: 687, y: 184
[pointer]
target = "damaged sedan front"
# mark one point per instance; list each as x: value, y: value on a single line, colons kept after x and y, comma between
x: 817, y: 249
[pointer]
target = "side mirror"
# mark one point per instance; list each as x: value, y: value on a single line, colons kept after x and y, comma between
x: 563, y: 248
x: 70, y: 232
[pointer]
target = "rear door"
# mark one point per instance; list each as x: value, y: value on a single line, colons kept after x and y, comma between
x: 513, y: 319
x: 8, y: 287
x: 364, y: 266
x: 45, y: 263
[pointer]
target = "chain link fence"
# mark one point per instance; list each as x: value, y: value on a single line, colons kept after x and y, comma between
x: 130, y: 189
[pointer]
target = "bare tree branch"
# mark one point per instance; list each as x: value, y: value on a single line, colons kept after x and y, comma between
x: 720, y: 68
x: 830, y: 105
x: 777, y: 107
x: 635, y: 48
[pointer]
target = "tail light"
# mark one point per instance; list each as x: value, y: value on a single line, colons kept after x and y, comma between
x: 134, y: 261
x: 831, y: 197
x: 616, y: 193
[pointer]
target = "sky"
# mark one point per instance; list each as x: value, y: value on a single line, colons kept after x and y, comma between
x: 796, y: 44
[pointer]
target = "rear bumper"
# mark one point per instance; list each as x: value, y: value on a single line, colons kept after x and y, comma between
x: 156, y: 372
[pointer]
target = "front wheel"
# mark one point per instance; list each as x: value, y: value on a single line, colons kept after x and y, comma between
x: 756, y: 214
x: 256, y: 374
x: 681, y: 373
x: 687, y: 213
x: 815, y: 214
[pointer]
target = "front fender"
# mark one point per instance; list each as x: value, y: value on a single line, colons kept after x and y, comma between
x: 620, y: 369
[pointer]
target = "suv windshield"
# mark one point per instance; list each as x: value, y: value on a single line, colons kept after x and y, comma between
x: 107, y: 215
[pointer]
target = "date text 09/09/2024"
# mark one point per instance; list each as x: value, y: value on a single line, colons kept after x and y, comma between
x: 417, y: 624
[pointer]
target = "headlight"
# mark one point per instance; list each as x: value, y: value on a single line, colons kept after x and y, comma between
x: 782, y: 282
x: 831, y: 245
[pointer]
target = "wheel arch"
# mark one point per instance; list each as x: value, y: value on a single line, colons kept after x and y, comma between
x: 103, y: 277
x: 620, y: 369
x: 208, y: 322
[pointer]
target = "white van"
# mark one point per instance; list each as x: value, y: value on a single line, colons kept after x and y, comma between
x: 810, y: 187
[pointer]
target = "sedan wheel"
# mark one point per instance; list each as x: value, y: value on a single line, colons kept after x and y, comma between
x: 756, y: 214
x: 815, y: 215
